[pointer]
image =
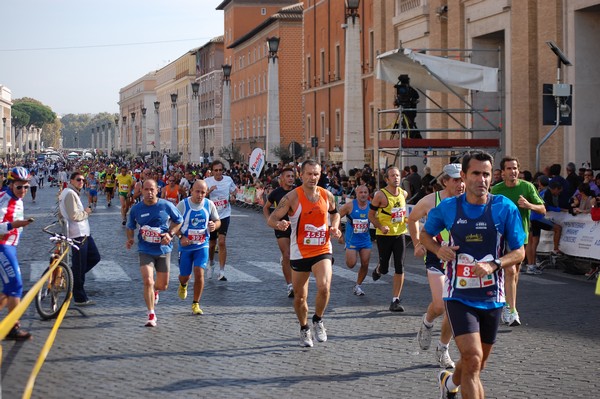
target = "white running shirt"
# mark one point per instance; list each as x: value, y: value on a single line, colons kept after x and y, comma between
x: 220, y: 196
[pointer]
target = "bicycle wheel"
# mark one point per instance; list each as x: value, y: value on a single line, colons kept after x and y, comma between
x: 55, y: 291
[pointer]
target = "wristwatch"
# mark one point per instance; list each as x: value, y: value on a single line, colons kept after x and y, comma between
x: 498, y: 264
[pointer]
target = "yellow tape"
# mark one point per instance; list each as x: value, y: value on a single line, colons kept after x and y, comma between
x: 46, y: 349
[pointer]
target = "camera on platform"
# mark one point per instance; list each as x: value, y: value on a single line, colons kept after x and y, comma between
x: 406, y: 96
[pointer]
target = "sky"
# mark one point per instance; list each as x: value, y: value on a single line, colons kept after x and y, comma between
x: 75, y: 55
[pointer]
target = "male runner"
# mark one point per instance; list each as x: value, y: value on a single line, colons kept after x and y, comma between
x: 453, y: 186
x: 200, y: 218
x: 125, y: 185
x: 310, y: 246
x: 481, y: 225
x: 110, y: 181
x: 159, y: 220
x: 221, y: 190
x: 388, y: 214
x: 286, y: 184
x: 358, y: 239
x: 525, y: 196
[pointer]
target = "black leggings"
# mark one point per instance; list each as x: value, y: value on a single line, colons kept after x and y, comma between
x: 388, y: 245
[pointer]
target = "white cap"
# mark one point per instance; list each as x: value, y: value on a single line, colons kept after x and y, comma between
x: 453, y: 170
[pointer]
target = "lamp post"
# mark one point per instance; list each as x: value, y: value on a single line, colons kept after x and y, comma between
x: 144, y: 132
x: 157, y: 128
x: 133, y: 135
x: 117, y: 135
x: 273, y: 138
x: 4, y: 135
x: 174, y: 139
x: 194, y: 133
x: 124, y: 133
x: 226, y: 107
x: 354, y: 140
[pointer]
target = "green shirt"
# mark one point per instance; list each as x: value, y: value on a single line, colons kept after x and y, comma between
x: 528, y: 191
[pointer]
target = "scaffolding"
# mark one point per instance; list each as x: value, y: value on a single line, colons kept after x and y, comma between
x: 476, y: 128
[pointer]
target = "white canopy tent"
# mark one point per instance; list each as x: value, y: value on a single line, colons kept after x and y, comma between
x: 428, y: 72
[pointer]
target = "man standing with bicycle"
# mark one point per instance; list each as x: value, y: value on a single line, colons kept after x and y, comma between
x: 77, y: 226
x: 11, y: 214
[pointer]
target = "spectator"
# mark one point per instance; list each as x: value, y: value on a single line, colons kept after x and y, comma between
x: 427, y: 177
x: 586, y: 200
x: 415, y: 183
x: 573, y: 180
x: 497, y: 177
x: 554, y: 174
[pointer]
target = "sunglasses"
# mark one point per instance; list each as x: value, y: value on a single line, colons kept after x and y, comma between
x: 79, y: 179
x: 25, y: 187
x: 217, y: 170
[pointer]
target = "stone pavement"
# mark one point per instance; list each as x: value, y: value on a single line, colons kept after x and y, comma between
x: 246, y: 345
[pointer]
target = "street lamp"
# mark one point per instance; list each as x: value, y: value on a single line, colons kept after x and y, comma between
x: 133, y: 135
x: 124, y: 133
x: 194, y: 134
x: 157, y: 128
x: 352, y: 9
x: 273, y: 46
x: 144, y: 129
x: 226, y: 72
x: 4, y: 135
x: 117, y: 138
x: 226, y: 108
x: 174, y: 130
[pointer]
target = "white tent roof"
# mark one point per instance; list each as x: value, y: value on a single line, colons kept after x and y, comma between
x: 421, y: 68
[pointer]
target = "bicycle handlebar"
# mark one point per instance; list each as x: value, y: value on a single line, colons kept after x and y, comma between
x: 56, y: 237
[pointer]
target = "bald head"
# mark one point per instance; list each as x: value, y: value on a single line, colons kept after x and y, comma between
x: 198, y: 191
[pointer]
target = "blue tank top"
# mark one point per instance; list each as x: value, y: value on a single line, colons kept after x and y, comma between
x: 477, y: 238
x: 195, y: 226
x: 357, y: 227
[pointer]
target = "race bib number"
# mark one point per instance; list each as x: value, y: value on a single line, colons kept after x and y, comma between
x: 123, y: 187
x: 360, y: 225
x: 465, y: 276
x: 151, y: 234
x: 197, y: 236
x: 221, y: 204
x: 398, y: 215
x: 313, y: 235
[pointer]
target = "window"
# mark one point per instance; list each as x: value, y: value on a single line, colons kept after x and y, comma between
x: 371, y: 60
x: 322, y: 67
x: 264, y: 126
x: 372, y: 121
x: 248, y: 127
x: 322, y: 126
x: 308, y: 129
x: 258, y: 131
x: 254, y: 127
x: 263, y: 11
x: 337, y: 72
x: 308, y: 73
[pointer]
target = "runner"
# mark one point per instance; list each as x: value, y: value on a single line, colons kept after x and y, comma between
x: 388, y: 214
x: 311, y: 250
x: 200, y: 218
x: 110, y: 182
x: 358, y: 238
x: 286, y: 184
x: 91, y: 184
x: 221, y: 190
x: 453, y: 186
x: 159, y: 221
x: 171, y: 191
x: 480, y: 226
x: 125, y: 186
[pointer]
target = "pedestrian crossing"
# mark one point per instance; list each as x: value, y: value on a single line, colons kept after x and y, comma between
x: 107, y: 271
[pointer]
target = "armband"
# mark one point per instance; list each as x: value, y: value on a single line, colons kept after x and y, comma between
x: 9, y: 226
x: 334, y: 211
x: 373, y: 207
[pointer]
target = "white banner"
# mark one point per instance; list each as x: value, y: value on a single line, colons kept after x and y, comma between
x: 257, y: 161
x: 580, y: 235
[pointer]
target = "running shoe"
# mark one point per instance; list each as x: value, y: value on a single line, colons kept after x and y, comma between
x: 196, y: 308
x: 290, y: 291
x: 358, y: 291
x: 87, y: 302
x: 443, y: 357
x: 376, y: 275
x: 513, y: 319
x: 182, y: 291
x: 222, y: 276
x: 151, y: 320
x: 424, y: 335
x: 533, y: 269
x: 396, y: 307
x: 156, y: 297
x: 124, y: 222
x: 320, y: 331
x: 445, y: 393
x: 505, y: 314
x: 306, y: 338
x: 17, y: 334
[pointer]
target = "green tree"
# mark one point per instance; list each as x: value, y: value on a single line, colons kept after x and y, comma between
x: 39, y: 114
x: 231, y: 153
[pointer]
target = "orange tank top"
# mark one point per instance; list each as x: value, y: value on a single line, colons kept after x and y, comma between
x: 172, y: 194
x: 310, y: 231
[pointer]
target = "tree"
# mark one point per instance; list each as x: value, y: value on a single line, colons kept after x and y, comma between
x: 39, y: 114
x: 285, y: 155
x: 231, y: 153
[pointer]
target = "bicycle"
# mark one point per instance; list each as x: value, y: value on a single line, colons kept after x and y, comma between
x: 58, y: 290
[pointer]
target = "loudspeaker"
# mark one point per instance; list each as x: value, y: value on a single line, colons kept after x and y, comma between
x: 595, y: 152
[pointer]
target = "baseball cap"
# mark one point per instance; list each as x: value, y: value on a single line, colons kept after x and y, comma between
x: 453, y: 170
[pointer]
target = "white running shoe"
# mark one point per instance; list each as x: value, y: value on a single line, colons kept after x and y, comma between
x: 424, y: 335
x: 513, y: 319
x: 320, y: 331
x: 290, y: 291
x: 306, y: 338
x: 209, y: 269
x: 505, y: 314
x: 443, y: 357
x: 358, y: 291
x: 151, y: 320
